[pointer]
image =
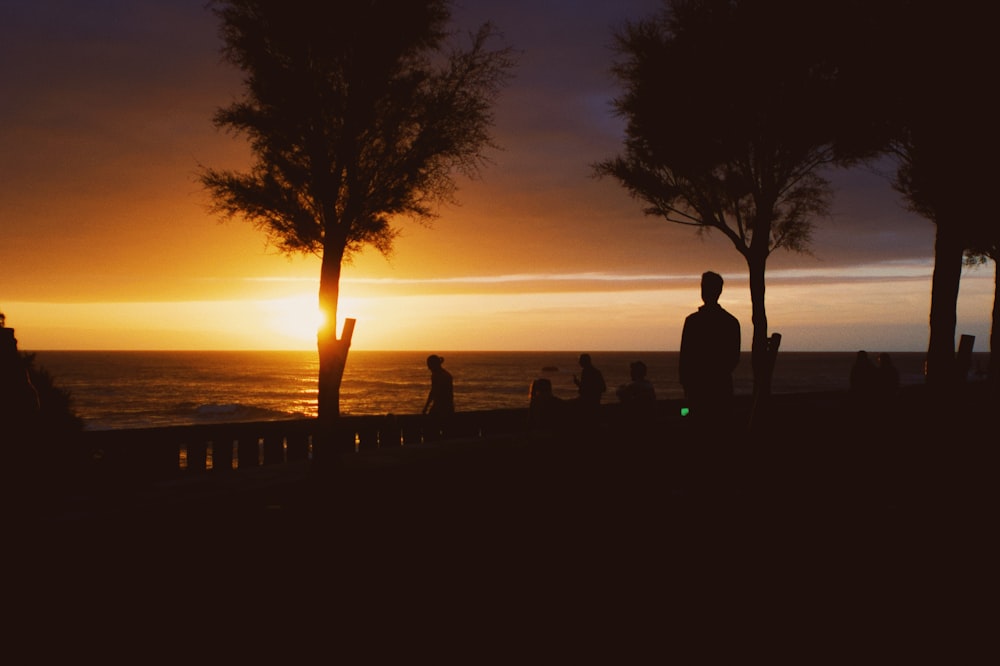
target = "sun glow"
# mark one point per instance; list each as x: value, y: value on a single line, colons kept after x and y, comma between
x: 828, y: 314
x: 295, y: 319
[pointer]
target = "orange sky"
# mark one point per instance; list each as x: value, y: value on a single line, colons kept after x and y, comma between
x: 105, y: 241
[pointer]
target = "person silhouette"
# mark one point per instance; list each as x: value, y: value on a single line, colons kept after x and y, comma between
x: 887, y: 375
x: 587, y: 405
x: 710, y: 352
x: 440, y: 405
x: 639, y: 390
x: 544, y: 408
x: 638, y: 399
x: 590, y: 383
x: 863, y: 376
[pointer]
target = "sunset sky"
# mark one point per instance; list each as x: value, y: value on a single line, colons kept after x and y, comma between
x: 106, y: 241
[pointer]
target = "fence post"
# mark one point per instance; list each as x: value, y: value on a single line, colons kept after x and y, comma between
x: 197, y: 455
x: 222, y: 455
x: 762, y: 399
x: 248, y: 452
x: 274, y: 449
x: 390, y: 433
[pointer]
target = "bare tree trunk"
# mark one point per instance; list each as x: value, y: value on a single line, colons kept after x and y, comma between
x: 759, y: 357
x: 758, y: 350
x: 332, y: 359
x: 994, y: 364
x: 948, y: 254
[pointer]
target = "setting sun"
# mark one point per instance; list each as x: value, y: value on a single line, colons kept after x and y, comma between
x: 296, y: 318
x: 107, y: 243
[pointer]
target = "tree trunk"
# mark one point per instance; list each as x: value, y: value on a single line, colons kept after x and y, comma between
x: 758, y: 352
x: 994, y: 364
x: 332, y: 359
x: 760, y: 361
x: 948, y: 252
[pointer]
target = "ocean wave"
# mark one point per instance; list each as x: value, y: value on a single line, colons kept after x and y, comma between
x: 234, y: 411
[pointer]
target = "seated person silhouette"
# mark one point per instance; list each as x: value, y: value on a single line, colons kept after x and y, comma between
x: 639, y: 389
x: 545, y: 410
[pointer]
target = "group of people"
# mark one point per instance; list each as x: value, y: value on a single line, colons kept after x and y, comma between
x: 710, y: 352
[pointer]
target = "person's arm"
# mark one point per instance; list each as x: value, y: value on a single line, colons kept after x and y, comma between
x: 430, y: 399
x: 682, y: 361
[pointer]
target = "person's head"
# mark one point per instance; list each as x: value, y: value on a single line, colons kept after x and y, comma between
x: 862, y: 356
x: 434, y: 361
x: 637, y: 370
x: 541, y: 389
x: 711, y: 286
x: 584, y: 360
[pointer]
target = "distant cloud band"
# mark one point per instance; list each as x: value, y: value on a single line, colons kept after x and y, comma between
x: 897, y: 271
x: 525, y: 277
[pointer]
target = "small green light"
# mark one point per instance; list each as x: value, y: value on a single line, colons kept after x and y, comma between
x: 685, y: 411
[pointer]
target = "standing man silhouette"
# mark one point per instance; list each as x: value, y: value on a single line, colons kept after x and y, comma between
x: 710, y: 351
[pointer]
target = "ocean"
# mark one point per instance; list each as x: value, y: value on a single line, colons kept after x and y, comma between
x: 138, y: 389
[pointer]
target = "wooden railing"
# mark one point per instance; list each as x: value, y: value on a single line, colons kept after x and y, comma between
x: 224, y: 447
x: 228, y: 447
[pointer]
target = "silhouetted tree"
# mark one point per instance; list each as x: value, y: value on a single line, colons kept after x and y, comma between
x: 935, y: 186
x: 356, y: 112
x: 978, y: 255
x: 733, y: 109
x: 940, y: 99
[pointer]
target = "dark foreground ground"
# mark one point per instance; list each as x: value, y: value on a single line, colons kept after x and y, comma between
x: 831, y: 534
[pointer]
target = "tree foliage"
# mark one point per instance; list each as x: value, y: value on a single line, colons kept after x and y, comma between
x: 357, y: 113
x: 733, y: 110
x: 941, y: 106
